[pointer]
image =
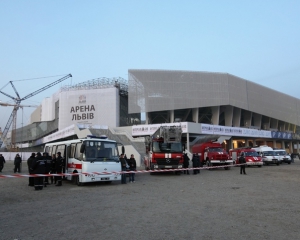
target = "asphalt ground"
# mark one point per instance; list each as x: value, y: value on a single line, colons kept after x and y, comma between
x: 215, y: 204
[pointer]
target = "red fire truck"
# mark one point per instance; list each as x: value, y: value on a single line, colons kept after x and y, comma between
x: 252, y: 157
x: 212, y: 153
x: 164, y: 149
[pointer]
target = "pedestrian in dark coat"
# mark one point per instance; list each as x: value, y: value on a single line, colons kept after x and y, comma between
x: 242, y: 160
x: 52, y: 168
x: 186, y: 163
x: 38, y: 167
x: 29, y: 164
x: 48, y: 160
x: 132, y: 167
x: 124, y: 168
x: 196, y: 163
x: 2, y: 161
x: 17, y: 164
x: 58, y: 168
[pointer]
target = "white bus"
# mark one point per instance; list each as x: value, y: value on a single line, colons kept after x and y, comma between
x: 90, y: 155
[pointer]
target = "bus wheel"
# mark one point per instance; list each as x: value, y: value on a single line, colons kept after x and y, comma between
x: 259, y: 165
x: 108, y: 182
x: 77, y: 181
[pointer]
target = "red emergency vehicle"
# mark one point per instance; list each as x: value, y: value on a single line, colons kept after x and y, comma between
x: 164, y: 149
x: 251, y: 156
x: 212, y: 153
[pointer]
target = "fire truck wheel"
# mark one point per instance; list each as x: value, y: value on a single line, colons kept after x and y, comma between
x: 208, y: 164
x: 259, y: 165
x: 227, y: 168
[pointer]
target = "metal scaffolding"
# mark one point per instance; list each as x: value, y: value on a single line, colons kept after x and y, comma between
x: 97, y: 83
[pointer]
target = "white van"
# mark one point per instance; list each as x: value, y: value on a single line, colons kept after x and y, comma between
x: 283, y: 155
x: 268, y: 155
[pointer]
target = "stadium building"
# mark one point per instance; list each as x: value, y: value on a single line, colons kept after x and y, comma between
x: 203, y: 103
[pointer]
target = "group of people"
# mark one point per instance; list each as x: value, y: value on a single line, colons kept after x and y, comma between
x: 17, y: 163
x: 44, y: 164
x: 128, y: 165
x: 196, y: 163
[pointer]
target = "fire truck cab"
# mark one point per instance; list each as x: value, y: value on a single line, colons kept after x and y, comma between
x: 251, y: 156
x: 164, y: 149
x: 212, y: 153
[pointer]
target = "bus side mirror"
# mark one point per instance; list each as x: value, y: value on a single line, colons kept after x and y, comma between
x: 123, y: 149
x: 82, y: 148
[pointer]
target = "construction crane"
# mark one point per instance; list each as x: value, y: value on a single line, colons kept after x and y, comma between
x: 4, y: 104
x: 13, y: 117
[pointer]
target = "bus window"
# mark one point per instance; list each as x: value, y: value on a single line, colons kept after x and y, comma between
x: 78, y: 154
x: 52, y: 150
x: 47, y: 149
x: 73, y: 147
x: 61, y: 148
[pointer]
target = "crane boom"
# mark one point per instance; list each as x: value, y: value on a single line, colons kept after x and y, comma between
x: 17, y: 105
x: 46, y: 87
x: 12, y: 105
x: 7, y: 95
x: 13, y: 86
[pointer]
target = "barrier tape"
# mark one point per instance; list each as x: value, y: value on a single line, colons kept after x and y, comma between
x: 118, y: 172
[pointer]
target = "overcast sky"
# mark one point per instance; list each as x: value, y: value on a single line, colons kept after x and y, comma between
x: 255, y: 40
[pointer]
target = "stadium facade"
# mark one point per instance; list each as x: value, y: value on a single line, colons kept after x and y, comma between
x: 218, y: 101
x: 205, y: 103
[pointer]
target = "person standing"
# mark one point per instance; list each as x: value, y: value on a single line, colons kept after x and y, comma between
x: 29, y: 164
x: 52, y: 169
x: 48, y: 161
x: 186, y: 163
x: 17, y: 163
x: 58, y: 168
x: 123, y: 167
x: 2, y: 161
x: 132, y: 167
x: 196, y: 163
x: 38, y: 167
x: 242, y: 160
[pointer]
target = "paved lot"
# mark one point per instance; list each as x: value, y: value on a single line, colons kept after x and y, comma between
x: 217, y: 204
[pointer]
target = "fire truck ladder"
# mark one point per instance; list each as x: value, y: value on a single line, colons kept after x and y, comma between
x: 169, y: 133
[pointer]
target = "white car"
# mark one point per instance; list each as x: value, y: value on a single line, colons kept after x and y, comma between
x: 283, y: 156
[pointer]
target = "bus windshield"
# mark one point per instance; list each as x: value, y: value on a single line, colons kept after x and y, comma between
x: 160, y: 147
x: 100, y: 151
